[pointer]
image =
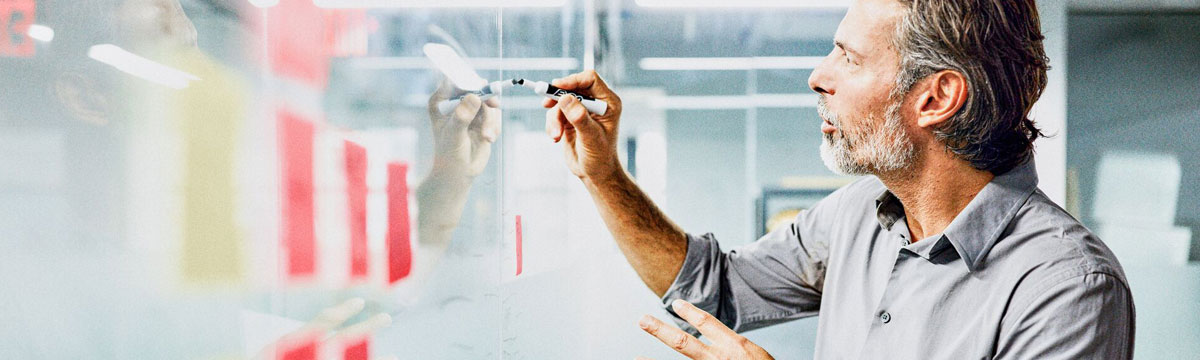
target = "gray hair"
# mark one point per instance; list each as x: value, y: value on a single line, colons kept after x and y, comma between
x: 997, y: 46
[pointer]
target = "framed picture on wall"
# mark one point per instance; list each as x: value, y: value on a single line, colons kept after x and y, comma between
x: 779, y: 205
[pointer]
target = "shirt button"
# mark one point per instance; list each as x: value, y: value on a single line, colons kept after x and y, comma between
x: 885, y: 317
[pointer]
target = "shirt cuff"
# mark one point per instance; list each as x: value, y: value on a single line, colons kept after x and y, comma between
x: 694, y: 283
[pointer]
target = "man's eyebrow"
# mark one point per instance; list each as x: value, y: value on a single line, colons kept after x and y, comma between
x: 846, y: 48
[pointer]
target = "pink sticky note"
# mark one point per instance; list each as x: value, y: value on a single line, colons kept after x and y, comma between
x: 356, y: 193
x: 296, y: 157
x: 347, y: 35
x: 296, y: 42
x: 305, y: 349
x: 399, y: 249
x: 15, y: 18
x: 519, y: 261
x: 357, y: 350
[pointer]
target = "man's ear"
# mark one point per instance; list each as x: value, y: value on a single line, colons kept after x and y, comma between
x: 941, y: 96
x: 83, y: 98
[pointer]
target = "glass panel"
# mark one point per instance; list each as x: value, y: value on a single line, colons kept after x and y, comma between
x: 227, y: 179
x: 213, y: 179
x: 203, y: 179
x: 1130, y: 157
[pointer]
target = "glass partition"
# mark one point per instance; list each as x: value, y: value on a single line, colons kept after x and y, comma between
x: 272, y: 179
x: 201, y: 179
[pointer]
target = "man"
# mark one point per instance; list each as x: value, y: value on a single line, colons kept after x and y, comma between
x: 947, y: 251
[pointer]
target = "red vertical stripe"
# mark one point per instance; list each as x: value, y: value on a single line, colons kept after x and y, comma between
x: 358, y: 350
x: 519, y: 261
x: 356, y: 194
x: 304, y: 350
x: 399, y: 248
x: 296, y: 155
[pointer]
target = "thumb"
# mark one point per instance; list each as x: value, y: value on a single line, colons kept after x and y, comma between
x: 590, y: 132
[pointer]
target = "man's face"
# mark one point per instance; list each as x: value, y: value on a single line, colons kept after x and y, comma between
x: 864, y: 128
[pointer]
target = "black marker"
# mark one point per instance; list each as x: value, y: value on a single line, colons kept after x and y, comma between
x: 594, y: 106
x: 492, y: 89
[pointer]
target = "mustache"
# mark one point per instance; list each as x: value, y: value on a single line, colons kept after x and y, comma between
x: 824, y: 112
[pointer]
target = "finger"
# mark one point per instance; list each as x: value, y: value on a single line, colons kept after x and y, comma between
x: 333, y: 316
x: 577, y: 81
x: 557, y: 125
x: 553, y: 124
x: 364, y: 328
x: 587, y: 83
x: 708, y: 325
x: 370, y: 325
x: 588, y: 130
x: 482, y: 139
x: 467, y: 109
x: 681, y: 341
x: 444, y: 91
x: 549, y: 103
x: 489, y: 124
x: 493, y: 102
x: 476, y: 124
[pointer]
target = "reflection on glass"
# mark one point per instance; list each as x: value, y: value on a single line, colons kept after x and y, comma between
x: 166, y: 199
x: 200, y: 179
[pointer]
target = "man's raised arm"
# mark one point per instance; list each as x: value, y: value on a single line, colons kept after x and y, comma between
x: 652, y: 244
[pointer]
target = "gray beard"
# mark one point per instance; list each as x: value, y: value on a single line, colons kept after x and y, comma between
x: 878, y: 149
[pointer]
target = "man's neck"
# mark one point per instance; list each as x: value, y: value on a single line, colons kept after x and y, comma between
x: 934, y: 190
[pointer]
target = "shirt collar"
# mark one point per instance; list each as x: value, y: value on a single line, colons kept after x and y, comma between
x: 978, y: 226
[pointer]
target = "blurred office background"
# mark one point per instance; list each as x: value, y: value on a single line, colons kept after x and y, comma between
x: 160, y: 200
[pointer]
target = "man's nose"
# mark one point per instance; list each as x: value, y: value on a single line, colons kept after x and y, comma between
x: 819, y: 79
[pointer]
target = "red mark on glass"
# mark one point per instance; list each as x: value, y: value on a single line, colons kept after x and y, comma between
x: 356, y: 194
x: 399, y: 249
x: 519, y: 261
x: 300, y: 350
x: 296, y: 156
x: 358, y: 350
x: 15, y: 18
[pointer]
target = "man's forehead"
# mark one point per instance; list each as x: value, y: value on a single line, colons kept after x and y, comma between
x: 868, y: 25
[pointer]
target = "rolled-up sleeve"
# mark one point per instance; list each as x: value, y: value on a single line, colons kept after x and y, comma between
x: 1088, y: 316
x: 775, y: 279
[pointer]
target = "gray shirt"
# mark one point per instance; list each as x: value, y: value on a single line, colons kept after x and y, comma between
x: 1012, y: 277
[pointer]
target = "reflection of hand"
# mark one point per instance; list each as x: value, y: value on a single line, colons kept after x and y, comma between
x: 328, y: 321
x: 726, y: 344
x: 462, y: 143
x: 462, y: 140
x: 591, y: 140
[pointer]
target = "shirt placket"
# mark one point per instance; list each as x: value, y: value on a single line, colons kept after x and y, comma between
x: 883, y: 315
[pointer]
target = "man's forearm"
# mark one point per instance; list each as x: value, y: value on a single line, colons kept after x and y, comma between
x: 440, y: 200
x: 440, y: 203
x: 652, y: 244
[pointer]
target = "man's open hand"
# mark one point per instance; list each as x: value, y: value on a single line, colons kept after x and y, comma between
x: 726, y: 344
x: 327, y: 328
